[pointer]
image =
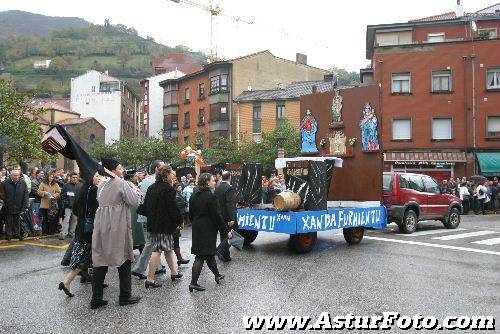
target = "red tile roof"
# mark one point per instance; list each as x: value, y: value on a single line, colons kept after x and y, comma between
x: 183, y: 62
x: 62, y: 102
x: 444, y: 16
x: 55, y: 106
x: 75, y: 121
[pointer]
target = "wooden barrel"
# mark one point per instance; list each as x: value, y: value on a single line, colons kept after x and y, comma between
x: 287, y: 201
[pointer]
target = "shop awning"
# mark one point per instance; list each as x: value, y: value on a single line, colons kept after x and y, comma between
x: 435, y: 157
x: 489, y: 163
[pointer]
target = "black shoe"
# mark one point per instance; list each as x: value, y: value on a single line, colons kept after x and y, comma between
x: 65, y: 289
x: 179, y: 262
x: 174, y: 277
x: 138, y: 275
x: 161, y: 271
x: 96, y: 304
x: 196, y: 287
x: 153, y: 285
x: 65, y: 263
x: 130, y: 301
x: 219, y: 278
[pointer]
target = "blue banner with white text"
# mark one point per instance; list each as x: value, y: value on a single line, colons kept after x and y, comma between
x: 312, y: 221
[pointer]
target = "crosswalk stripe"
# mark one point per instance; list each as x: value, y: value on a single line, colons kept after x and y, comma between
x: 419, y: 233
x: 464, y: 235
x: 488, y: 242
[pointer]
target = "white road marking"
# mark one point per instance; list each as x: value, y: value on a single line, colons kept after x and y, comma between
x: 426, y: 244
x: 416, y: 234
x: 488, y: 242
x: 464, y: 235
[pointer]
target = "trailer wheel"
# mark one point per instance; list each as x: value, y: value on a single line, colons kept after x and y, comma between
x: 353, y: 235
x: 304, y: 242
x: 249, y: 236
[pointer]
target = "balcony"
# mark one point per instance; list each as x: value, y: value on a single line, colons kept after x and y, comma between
x: 221, y: 96
x: 218, y: 125
x: 172, y: 109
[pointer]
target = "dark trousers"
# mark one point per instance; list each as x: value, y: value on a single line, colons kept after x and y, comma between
x: 99, y: 274
x: 481, y: 206
x: 198, y: 266
x: 12, y: 226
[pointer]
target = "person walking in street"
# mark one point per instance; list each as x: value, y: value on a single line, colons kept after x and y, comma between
x: 187, y: 192
x: 481, y: 193
x: 68, y: 198
x: 206, y: 221
x: 112, y: 234
x: 49, y: 191
x: 141, y: 264
x: 84, y: 207
x: 182, y: 206
x: 15, y: 196
x: 227, y: 204
x: 164, y: 218
x: 464, y: 197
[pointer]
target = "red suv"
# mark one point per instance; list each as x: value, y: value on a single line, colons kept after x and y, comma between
x: 412, y: 197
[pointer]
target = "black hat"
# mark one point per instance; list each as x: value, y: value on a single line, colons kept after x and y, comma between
x: 109, y: 164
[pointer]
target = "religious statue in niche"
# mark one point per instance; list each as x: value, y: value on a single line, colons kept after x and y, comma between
x: 337, y: 109
x: 308, y: 129
x: 337, y: 143
x: 369, y: 128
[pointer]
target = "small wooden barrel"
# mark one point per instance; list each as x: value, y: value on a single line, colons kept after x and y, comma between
x: 287, y: 201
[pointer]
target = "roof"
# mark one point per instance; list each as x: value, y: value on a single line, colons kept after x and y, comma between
x: 426, y: 156
x: 103, y: 77
x: 55, y: 106
x: 183, y: 62
x: 293, y: 91
x: 444, y: 16
x: 78, y: 121
x: 62, y: 102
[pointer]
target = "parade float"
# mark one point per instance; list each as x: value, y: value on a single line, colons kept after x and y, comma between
x: 335, y: 184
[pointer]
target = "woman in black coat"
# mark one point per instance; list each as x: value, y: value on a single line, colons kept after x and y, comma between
x: 164, y: 218
x: 206, y: 223
x: 85, y: 206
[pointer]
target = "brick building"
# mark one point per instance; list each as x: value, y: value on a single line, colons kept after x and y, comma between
x: 199, y: 106
x: 260, y: 111
x: 439, y: 79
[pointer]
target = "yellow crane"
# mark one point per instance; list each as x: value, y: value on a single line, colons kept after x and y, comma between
x: 214, y: 11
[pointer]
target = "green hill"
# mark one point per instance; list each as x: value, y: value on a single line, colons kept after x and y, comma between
x: 115, y: 48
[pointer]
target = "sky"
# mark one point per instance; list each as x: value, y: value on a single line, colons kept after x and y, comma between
x: 329, y: 32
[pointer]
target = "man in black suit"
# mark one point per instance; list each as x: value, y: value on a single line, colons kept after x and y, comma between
x: 227, y: 204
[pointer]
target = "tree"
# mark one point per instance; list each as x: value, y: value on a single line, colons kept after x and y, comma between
x: 123, y: 58
x: 19, y: 129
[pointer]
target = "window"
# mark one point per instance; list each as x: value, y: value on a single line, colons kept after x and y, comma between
x: 493, y: 125
x: 280, y: 110
x: 201, y: 116
x: 430, y: 185
x: 487, y: 32
x: 401, y: 82
x: 387, y: 185
x: 108, y: 87
x: 401, y: 129
x: 93, y: 89
x: 201, y: 95
x: 223, y: 82
x: 171, y: 122
x: 92, y: 138
x: 186, y: 120
x: 218, y: 112
x: 416, y: 183
x: 214, y: 84
x: 493, y: 78
x: 257, y: 117
x: 171, y: 98
x: 441, y: 81
x: 436, y: 37
x: 394, y: 37
x: 186, y: 94
x: 442, y: 128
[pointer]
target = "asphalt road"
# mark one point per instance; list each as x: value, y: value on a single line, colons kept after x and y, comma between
x: 432, y: 272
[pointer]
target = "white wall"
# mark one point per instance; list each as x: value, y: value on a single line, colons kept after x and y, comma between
x: 155, y: 120
x: 104, y: 107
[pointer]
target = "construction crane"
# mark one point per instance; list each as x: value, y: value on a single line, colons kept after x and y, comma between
x: 214, y: 11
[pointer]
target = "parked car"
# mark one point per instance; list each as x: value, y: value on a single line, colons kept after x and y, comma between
x: 410, y: 198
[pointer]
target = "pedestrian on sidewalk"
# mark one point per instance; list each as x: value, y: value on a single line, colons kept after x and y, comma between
x: 481, y: 193
x: 164, y: 218
x: 15, y: 195
x: 49, y: 191
x: 84, y: 207
x: 67, y: 199
x: 226, y: 197
x: 112, y: 244
x: 141, y: 264
x: 206, y: 222
x: 182, y: 206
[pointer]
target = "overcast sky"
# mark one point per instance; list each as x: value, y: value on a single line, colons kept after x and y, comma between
x: 330, y: 32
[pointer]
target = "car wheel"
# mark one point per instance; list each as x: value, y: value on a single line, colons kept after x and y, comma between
x: 409, y: 223
x: 303, y: 242
x: 353, y: 235
x: 453, y: 219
